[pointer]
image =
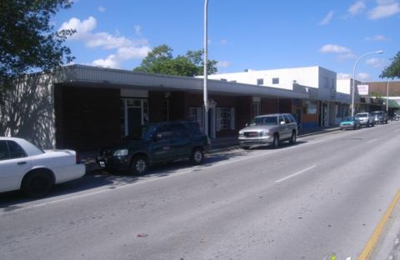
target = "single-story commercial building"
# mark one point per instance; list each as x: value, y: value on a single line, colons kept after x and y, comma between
x: 84, y: 107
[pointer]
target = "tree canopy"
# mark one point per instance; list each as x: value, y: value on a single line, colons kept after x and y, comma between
x: 393, y: 71
x: 161, y: 61
x: 28, y: 41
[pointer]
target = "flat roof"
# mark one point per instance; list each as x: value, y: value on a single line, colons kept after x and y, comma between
x: 123, y: 79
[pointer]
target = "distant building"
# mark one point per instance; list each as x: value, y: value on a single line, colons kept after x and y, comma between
x: 388, y: 92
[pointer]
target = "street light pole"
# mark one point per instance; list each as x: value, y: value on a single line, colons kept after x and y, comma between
x: 387, y: 98
x: 354, y: 78
x: 205, y: 94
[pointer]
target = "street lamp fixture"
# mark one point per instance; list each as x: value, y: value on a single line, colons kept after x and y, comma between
x: 353, y: 87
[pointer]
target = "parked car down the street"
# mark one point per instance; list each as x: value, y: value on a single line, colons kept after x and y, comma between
x: 159, y: 143
x: 25, y: 167
x: 380, y: 117
x: 270, y: 129
x: 366, y: 119
x: 351, y: 122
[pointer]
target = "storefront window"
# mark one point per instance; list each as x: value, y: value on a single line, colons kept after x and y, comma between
x: 225, y: 118
x: 310, y: 107
x: 196, y: 114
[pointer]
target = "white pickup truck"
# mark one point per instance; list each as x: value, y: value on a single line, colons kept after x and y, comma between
x: 34, y: 171
x: 366, y: 119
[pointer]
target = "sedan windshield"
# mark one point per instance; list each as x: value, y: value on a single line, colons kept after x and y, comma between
x: 268, y: 120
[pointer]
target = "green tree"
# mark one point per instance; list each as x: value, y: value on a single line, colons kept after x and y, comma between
x: 161, y: 61
x: 28, y: 41
x: 393, y: 71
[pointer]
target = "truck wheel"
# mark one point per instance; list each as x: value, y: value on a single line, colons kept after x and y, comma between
x: 293, y: 138
x: 37, y: 184
x: 139, y: 165
x: 197, y: 156
x: 275, y: 142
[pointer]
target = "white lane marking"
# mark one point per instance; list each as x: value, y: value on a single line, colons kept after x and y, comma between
x: 371, y: 141
x: 295, y: 174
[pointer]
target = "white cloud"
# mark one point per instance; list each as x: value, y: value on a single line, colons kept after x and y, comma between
x: 110, y: 62
x: 385, y: 2
x: 384, y: 9
x: 363, y: 76
x: 125, y: 48
x: 360, y: 76
x: 377, y: 38
x: 327, y: 18
x: 332, y: 48
x: 82, y: 28
x: 107, y: 41
x: 375, y: 62
x: 342, y: 52
x: 343, y: 76
x: 101, y: 9
x: 223, y: 42
x: 357, y: 8
x: 223, y: 64
x: 128, y: 53
x: 138, y: 30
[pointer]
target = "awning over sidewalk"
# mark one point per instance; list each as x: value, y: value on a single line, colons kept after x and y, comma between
x: 392, y: 103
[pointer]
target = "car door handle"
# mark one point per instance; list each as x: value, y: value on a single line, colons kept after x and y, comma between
x: 21, y: 163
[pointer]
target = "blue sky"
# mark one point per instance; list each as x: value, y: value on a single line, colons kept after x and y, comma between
x: 251, y: 34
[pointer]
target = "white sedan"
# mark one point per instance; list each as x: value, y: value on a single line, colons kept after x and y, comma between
x: 34, y: 171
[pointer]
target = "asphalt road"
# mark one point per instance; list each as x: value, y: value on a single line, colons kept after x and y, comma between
x: 326, y: 194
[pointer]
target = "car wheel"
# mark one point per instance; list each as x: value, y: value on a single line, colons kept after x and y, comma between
x: 197, y: 156
x: 37, y: 184
x: 293, y: 138
x: 275, y: 142
x: 139, y: 165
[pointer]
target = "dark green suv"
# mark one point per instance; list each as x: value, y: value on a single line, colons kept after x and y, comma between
x: 159, y: 143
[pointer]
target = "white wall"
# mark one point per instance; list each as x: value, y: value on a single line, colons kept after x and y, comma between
x: 28, y: 111
x: 306, y: 76
x: 343, y: 86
